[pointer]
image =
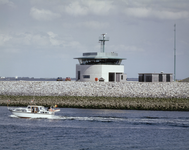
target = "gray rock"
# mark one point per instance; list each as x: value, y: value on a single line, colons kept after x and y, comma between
x: 73, y: 88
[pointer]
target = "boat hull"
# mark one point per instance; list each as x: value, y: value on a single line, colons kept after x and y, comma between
x: 32, y: 115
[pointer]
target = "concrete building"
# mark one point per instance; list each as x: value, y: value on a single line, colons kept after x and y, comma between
x: 100, y: 66
x: 155, y: 77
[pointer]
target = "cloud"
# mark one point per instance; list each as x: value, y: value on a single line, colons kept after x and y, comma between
x: 76, y: 9
x: 85, y: 7
x: 169, y: 10
x: 99, y: 7
x: 125, y: 48
x: 4, y: 38
x: 53, y: 40
x: 51, y: 34
x: 87, y: 24
x: 137, y: 12
x: 137, y: 9
x: 23, y: 39
x: 171, y: 15
x: 26, y: 40
x: 151, y: 13
x: 7, y: 2
x: 93, y: 24
x: 43, y: 15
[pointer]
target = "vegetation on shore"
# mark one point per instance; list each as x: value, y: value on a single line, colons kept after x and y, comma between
x: 175, y: 104
x: 185, y: 80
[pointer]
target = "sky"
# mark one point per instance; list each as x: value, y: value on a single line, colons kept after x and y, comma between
x: 40, y: 38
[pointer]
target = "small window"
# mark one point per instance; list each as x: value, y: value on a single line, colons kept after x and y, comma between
x: 86, y: 76
x: 168, y: 77
x: 121, y: 77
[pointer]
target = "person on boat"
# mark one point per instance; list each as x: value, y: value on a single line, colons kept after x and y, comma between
x: 51, y: 109
x: 32, y: 109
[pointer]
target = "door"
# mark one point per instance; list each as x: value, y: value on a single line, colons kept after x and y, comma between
x: 168, y: 78
x: 78, y: 74
x: 160, y: 78
x: 111, y: 77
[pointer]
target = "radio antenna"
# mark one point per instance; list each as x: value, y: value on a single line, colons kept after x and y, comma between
x: 174, y: 52
x: 102, y: 40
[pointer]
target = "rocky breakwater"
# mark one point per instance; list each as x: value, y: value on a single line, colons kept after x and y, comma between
x: 128, y: 95
x: 95, y: 89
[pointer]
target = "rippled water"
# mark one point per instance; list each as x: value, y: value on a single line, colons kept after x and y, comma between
x: 96, y: 129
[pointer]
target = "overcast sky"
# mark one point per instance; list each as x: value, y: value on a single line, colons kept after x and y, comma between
x: 40, y: 38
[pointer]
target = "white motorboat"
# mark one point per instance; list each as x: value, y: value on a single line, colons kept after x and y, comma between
x: 33, y: 111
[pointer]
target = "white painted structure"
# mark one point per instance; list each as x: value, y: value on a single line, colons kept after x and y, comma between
x: 100, y: 65
x: 107, y: 72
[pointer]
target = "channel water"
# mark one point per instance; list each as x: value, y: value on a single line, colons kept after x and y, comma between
x: 96, y: 129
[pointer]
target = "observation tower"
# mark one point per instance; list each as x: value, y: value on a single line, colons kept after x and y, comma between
x: 100, y: 66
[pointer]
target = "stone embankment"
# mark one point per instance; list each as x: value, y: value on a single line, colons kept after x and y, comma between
x: 95, y: 89
x: 98, y: 102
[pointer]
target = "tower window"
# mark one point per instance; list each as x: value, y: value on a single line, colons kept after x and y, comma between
x: 86, y: 76
x: 100, y: 61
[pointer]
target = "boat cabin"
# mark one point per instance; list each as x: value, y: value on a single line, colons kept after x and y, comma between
x: 36, y: 109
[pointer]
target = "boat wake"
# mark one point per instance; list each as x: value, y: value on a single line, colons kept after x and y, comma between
x: 174, y: 122
x: 177, y: 122
x: 13, y: 116
x: 101, y: 119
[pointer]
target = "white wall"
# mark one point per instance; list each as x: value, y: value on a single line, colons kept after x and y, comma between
x: 97, y: 71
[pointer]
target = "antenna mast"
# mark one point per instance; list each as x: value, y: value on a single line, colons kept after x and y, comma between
x: 174, y: 52
x: 102, y: 40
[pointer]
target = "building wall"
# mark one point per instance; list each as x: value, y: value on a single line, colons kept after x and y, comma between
x: 123, y: 77
x: 155, y: 77
x: 171, y: 77
x: 98, y: 71
x: 164, y: 77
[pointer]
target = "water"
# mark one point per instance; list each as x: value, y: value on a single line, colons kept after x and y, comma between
x: 86, y: 129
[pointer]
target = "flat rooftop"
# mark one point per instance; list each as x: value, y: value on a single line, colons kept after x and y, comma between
x: 100, y: 55
x: 155, y: 73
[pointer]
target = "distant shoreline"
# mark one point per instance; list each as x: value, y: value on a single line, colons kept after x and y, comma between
x: 164, y: 104
x: 44, y: 79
